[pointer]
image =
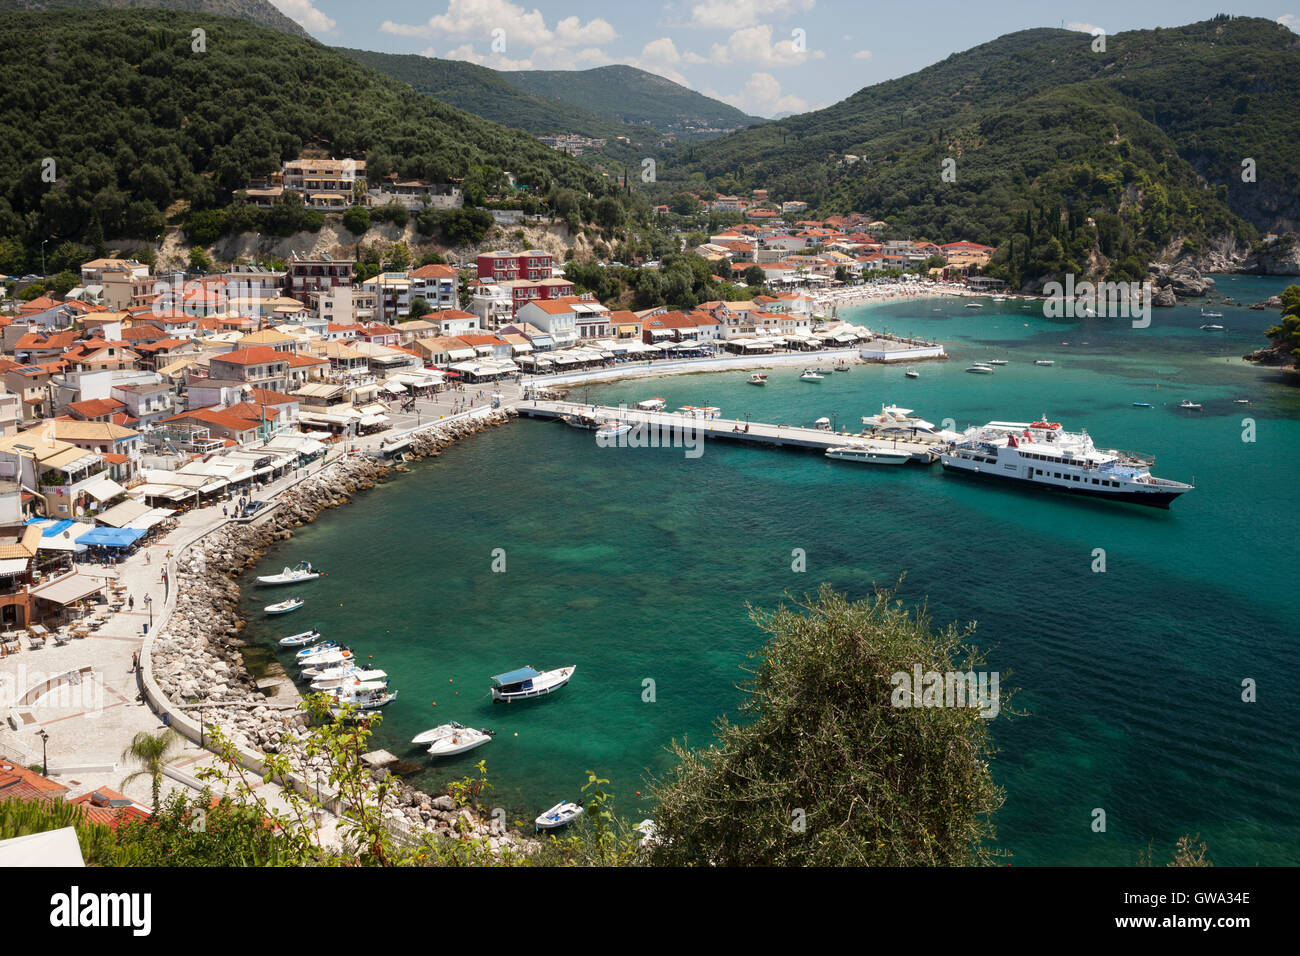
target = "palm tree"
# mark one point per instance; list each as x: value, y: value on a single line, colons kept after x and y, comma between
x: 153, y: 752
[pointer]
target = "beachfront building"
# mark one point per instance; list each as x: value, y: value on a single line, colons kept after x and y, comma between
x: 438, y: 285
x: 60, y: 479
x: 557, y: 319
x: 492, y: 303
x: 449, y: 322
x: 117, y: 445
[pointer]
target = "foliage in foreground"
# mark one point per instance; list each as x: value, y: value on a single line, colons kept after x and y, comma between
x: 824, y: 770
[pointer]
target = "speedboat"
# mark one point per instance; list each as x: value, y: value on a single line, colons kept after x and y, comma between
x: 303, y: 571
x: 1141, y: 404
x: 284, y: 607
x: 1189, y: 404
x: 367, y: 695
x: 307, y: 652
x: 313, y: 667
x: 867, y: 456
x: 996, y: 362
x: 1044, y: 362
x: 349, y: 674
x: 974, y: 305
x: 451, y: 739
x: 525, y: 682
x: 1241, y: 401
x: 981, y: 369
x: 912, y: 373
x: 810, y: 375
x: 758, y: 378
x: 1211, y: 315
x: 1211, y: 327
x: 612, y: 429
x: 559, y: 815
x: 301, y: 639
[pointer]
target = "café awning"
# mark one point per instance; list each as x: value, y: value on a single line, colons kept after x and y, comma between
x: 72, y: 587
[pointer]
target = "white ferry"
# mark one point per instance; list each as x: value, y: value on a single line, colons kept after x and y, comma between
x: 1044, y: 455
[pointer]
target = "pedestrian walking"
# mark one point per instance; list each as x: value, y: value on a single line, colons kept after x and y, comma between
x: 130, y: 603
x: 225, y: 512
x: 135, y: 662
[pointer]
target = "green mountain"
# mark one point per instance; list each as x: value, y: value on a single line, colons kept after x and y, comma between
x: 258, y: 11
x: 1146, y: 139
x: 132, y: 125
x: 487, y: 93
x: 633, y: 96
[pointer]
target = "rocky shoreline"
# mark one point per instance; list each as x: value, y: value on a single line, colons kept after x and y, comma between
x: 197, y: 656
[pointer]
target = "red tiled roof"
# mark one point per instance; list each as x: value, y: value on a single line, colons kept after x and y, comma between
x: 94, y: 407
x: 254, y: 355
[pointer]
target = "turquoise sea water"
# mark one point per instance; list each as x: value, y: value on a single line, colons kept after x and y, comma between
x: 638, y: 564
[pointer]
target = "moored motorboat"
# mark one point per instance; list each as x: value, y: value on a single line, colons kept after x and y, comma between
x: 912, y: 373
x: 611, y: 430
x: 559, y: 815
x: 1213, y: 327
x: 525, y: 682
x: 866, y: 455
x: 451, y: 739
x: 758, y: 378
x: 284, y: 607
x: 651, y: 405
x: 307, y: 652
x: 346, y: 673
x: 1190, y: 405
x: 996, y: 362
x: 1141, y: 404
x: 301, y: 639
x: 980, y: 369
x: 811, y: 375
x: 303, y: 571
x: 1044, y: 362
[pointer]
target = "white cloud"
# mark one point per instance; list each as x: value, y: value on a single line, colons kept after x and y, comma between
x: 762, y: 96
x: 305, y: 15
x: 660, y: 57
x: 1084, y: 27
x: 485, y: 20
x: 1290, y: 21
x: 726, y: 14
x: 755, y: 45
x: 862, y: 55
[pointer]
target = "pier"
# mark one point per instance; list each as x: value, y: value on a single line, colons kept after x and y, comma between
x: 731, y: 429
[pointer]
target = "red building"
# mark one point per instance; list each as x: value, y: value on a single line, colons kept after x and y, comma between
x: 533, y: 265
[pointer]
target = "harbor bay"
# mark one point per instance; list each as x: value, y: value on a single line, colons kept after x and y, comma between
x: 637, y: 565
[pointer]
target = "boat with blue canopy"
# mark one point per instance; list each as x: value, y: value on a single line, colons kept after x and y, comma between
x: 525, y: 682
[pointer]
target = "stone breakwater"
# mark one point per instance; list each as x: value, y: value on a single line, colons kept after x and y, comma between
x: 196, y: 657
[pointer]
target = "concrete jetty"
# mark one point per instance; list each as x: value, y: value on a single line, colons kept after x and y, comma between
x: 730, y: 429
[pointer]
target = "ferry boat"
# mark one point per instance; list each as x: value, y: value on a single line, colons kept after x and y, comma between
x: 866, y: 456
x: 810, y: 375
x: 758, y: 378
x: 981, y: 369
x: 302, y: 571
x: 526, y: 682
x: 1042, y: 454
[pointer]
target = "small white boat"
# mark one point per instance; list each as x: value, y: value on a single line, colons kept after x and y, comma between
x: 809, y: 375
x: 284, y: 607
x: 580, y: 420
x: 822, y: 424
x: 559, y: 815
x: 1044, y: 362
x: 980, y: 369
x: 652, y: 405
x: 348, y: 674
x: 840, y: 368
x: 996, y: 362
x: 315, y: 666
x: 307, y: 652
x: 451, y: 739
x: 1189, y: 405
x: 302, y: 572
x: 1212, y: 327
x: 301, y: 639
x: 866, y: 456
x: 974, y: 305
x: 612, y: 429
x: 368, y: 695
x: 1241, y: 401
x: 758, y: 378
x: 912, y: 373
x: 1211, y: 315
x: 525, y: 682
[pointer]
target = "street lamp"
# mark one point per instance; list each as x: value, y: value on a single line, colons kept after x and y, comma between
x: 45, y: 763
x: 43, y: 242
x: 148, y: 602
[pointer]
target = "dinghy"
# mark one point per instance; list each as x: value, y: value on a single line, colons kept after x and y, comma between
x: 451, y: 739
x: 303, y: 571
x: 284, y: 607
x: 526, y: 682
x: 298, y: 640
x: 307, y: 652
x: 559, y: 815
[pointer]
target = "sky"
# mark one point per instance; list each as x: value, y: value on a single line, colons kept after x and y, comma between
x: 767, y: 57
